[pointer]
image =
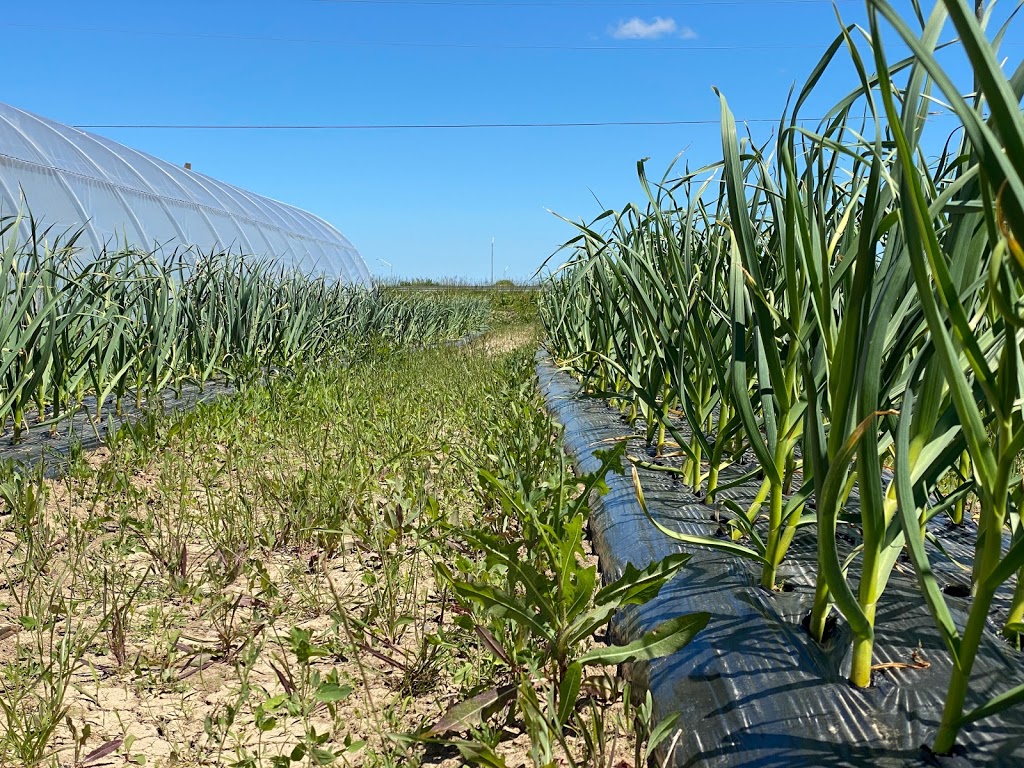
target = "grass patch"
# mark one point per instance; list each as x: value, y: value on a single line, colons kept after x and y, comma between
x: 255, y: 582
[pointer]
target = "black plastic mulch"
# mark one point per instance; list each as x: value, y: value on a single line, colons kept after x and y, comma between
x: 83, y: 430
x: 753, y: 688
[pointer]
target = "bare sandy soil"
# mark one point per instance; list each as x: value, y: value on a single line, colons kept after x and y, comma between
x: 231, y: 657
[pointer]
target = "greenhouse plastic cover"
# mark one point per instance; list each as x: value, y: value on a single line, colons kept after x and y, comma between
x: 71, y: 179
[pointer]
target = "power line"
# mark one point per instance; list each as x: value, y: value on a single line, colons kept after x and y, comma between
x: 432, y: 126
x: 480, y: 4
x: 402, y: 126
x: 411, y: 44
x: 445, y: 126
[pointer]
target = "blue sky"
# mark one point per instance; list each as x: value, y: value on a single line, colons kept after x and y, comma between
x: 426, y: 201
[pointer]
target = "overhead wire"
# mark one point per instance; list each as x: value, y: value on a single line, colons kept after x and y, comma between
x: 408, y: 44
x: 414, y: 44
x: 528, y: 4
x: 430, y: 126
x: 398, y: 126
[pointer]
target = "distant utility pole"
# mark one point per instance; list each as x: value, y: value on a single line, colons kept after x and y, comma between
x: 492, y: 261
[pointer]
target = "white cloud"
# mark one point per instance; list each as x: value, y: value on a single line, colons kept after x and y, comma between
x: 638, y: 29
x: 688, y: 33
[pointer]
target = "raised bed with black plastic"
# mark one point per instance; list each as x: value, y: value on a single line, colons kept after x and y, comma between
x: 84, y: 430
x: 754, y: 689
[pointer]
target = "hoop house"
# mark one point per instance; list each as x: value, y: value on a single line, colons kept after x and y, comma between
x: 71, y: 179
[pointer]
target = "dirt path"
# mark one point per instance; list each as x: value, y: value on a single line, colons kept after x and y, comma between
x: 175, y: 601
